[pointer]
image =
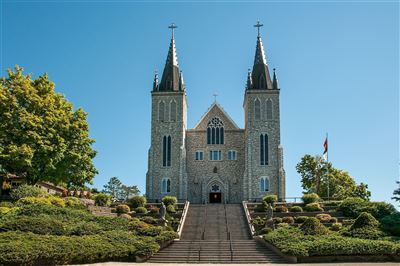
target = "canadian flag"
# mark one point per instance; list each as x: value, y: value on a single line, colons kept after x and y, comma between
x: 325, y: 154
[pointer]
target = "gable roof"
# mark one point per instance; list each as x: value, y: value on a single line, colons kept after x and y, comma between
x: 219, y: 107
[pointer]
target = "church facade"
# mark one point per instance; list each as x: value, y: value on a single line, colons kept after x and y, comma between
x: 216, y: 161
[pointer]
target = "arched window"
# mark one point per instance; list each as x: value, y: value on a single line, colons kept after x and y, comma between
x: 264, y: 149
x: 257, y: 109
x: 215, y: 131
x: 166, y: 152
x: 172, y: 111
x: 166, y: 185
x: 264, y: 184
x: 269, y: 109
x: 161, y: 111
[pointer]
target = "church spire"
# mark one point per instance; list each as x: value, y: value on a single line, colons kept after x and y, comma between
x: 274, y: 81
x: 170, y: 80
x: 260, y: 74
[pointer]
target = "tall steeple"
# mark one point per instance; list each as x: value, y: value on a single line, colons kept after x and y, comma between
x: 260, y: 74
x: 171, y: 76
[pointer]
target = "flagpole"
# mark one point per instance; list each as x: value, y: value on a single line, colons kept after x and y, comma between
x: 327, y: 160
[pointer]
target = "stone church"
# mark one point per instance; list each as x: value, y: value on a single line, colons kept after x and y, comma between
x: 216, y: 161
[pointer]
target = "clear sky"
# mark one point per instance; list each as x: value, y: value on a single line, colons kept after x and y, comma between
x: 337, y: 65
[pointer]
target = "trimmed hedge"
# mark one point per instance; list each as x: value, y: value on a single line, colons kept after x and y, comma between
x: 296, y: 209
x: 137, y: 201
x: 169, y: 200
x: 353, y: 207
x: 310, y: 198
x: 313, y: 207
x: 270, y: 199
x: 31, y: 249
x: 291, y: 241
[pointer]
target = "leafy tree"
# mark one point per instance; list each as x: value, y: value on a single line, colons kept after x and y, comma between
x: 113, y: 188
x: 128, y: 191
x: 41, y: 136
x: 396, y: 193
x: 317, y: 175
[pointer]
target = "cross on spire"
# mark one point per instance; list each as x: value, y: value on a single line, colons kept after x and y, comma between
x: 172, y: 27
x: 258, y: 26
x: 215, y: 96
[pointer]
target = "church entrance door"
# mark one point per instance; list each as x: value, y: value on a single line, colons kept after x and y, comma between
x: 215, y: 197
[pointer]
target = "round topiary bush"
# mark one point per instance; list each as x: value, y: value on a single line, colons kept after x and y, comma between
x: 125, y: 216
x: 323, y: 217
x: 171, y: 209
x: 270, y: 199
x: 102, y: 199
x: 281, y: 209
x: 277, y: 220
x: 296, y: 209
x: 336, y: 227
x: 169, y: 200
x: 288, y: 220
x: 300, y: 219
x: 365, y: 226
x: 310, y: 198
x: 122, y: 209
x: 142, y: 210
x: 333, y: 220
x: 363, y: 220
x: 137, y: 201
x: 313, y: 207
x: 312, y: 226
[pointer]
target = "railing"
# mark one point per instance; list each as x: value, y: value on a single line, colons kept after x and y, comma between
x: 230, y: 245
x: 204, y: 222
x: 288, y: 199
x: 183, y: 218
x: 248, y: 218
x: 226, y: 224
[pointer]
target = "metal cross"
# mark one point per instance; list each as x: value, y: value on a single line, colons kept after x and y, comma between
x: 172, y: 27
x: 215, y: 96
x: 258, y: 26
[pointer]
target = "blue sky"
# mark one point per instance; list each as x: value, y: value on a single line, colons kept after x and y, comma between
x: 337, y: 65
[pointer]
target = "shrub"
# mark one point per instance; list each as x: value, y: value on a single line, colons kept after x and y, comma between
x: 277, y: 220
x: 296, y: 209
x: 333, y: 220
x: 56, y: 201
x: 313, y: 207
x: 261, y: 207
x: 149, y: 220
x: 258, y: 221
x: 146, y: 248
x: 353, y: 207
x: 365, y: 220
x: 135, y: 224
x: 288, y: 220
x: 137, y: 201
x: 270, y: 199
x: 151, y: 231
x: 282, y: 225
x: 85, y: 228
x: 33, y: 200
x: 102, y: 199
x: 154, y: 210
x: 41, y: 224
x: 125, y: 216
x: 171, y: 209
x: 349, y: 206
x: 25, y: 190
x: 166, y: 236
x: 323, y: 217
x: 336, y: 227
x: 6, y: 204
x: 391, y: 224
x: 73, y: 202
x: 281, y: 209
x: 169, y: 200
x: 264, y: 231
x: 141, y: 210
x: 312, y: 226
x: 300, y: 219
x: 365, y: 226
x: 122, y: 209
x: 348, y: 221
x: 310, y: 198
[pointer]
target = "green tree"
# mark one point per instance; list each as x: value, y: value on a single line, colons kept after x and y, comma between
x: 113, y: 188
x: 41, y: 136
x: 128, y: 191
x: 396, y: 193
x: 317, y: 175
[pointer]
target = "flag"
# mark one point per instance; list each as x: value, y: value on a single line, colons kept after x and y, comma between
x: 325, y: 154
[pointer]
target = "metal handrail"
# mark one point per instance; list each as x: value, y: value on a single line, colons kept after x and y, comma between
x: 204, y: 222
x: 248, y: 218
x: 230, y: 242
x: 226, y: 224
x: 183, y: 218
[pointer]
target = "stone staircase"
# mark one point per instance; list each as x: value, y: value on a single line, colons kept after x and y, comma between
x: 216, y: 233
